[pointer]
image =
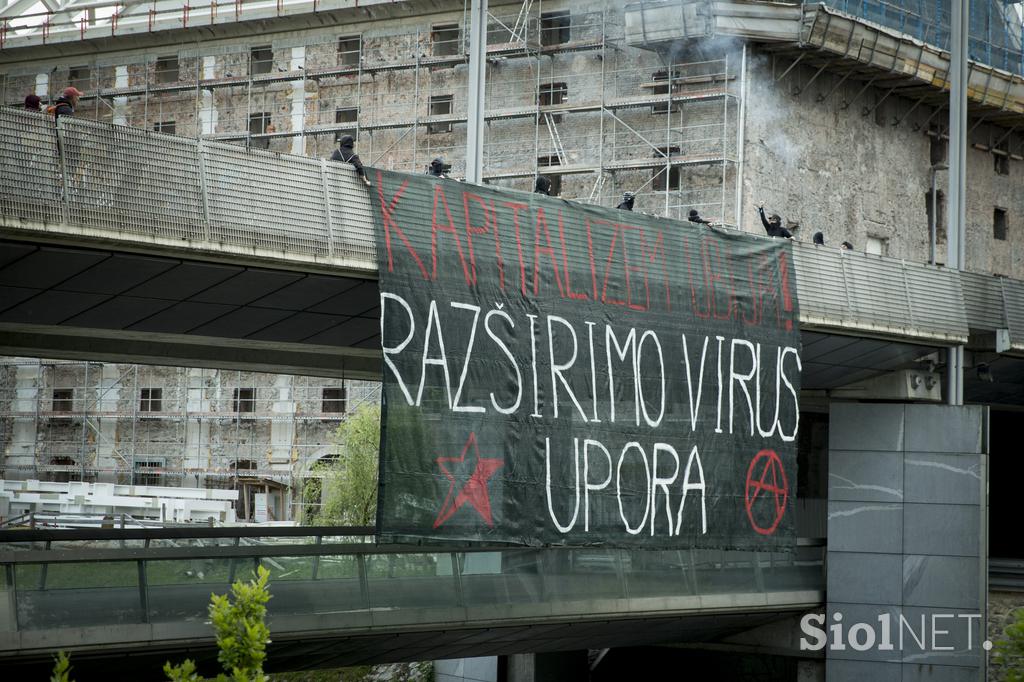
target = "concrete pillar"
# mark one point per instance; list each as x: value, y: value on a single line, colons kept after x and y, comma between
x: 121, y: 103
x: 20, y: 450
x: 108, y: 394
x: 905, y: 541
x: 282, y: 428
x: 197, y: 429
x: 208, y: 112
x: 43, y: 85
x: 298, y: 105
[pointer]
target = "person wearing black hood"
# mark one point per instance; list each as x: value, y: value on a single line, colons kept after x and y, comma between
x: 627, y: 201
x: 438, y: 168
x: 542, y: 185
x: 819, y: 239
x: 346, y: 153
x: 694, y: 217
x: 773, y: 225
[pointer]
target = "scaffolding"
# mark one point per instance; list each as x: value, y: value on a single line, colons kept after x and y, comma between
x: 147, y: 425
x: 566, y: 97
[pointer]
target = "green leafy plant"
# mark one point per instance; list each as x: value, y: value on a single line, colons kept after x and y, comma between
x: 1009, y: 650
x: 348, y: 485
x: 61, y: 668
x: 239, y: 621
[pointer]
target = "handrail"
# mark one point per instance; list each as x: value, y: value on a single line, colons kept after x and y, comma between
x: 198, y: 532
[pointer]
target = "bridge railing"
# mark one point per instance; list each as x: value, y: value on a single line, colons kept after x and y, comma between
x: 140, y: 183
x: 339, y: 578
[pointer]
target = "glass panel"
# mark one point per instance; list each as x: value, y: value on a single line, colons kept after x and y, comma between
x: 586, y: 574
x: 179, y: 589
x: 410, y: 580
x: 78, y: 594
x: 659, y: 573
x: 335, y: 589
x: 799, y: 570
x: 725, y: 571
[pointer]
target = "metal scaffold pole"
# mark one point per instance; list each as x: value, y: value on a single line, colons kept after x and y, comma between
x: 956, y: 245
x: 477, y: 88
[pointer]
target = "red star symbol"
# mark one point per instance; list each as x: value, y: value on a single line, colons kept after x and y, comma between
x: 475, y: 490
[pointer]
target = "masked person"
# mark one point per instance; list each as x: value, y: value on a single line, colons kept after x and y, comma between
x: 438, y: 168
x: 543, y: 185
x: 694, y: 217
x: 819, y: 239
x: 627, y: 201
x: 346, y: 153
x: 773, y: 224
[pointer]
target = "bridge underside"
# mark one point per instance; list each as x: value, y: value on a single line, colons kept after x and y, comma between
x: 326, y: 651
x: 74, y: 302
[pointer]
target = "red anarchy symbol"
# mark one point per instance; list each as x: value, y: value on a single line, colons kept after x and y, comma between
x: 772, y: 480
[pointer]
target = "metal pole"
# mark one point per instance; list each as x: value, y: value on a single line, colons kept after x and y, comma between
x: 957, y: 174
x: 741, y: 136
x: 477, y: 89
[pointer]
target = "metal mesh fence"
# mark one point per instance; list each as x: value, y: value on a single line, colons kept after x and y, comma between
x: 30, y: 183
x: 127, y: 179
x: 265, y: 200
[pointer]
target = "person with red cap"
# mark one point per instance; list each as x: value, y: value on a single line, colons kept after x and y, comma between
x: 66, y: 103
x: 32, y: 103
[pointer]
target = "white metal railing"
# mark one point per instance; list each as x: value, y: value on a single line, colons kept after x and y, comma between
x: 136, y: 182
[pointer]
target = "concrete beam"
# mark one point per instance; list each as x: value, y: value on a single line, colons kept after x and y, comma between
x: 70, y: 343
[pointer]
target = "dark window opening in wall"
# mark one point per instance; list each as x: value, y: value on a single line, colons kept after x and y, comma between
x: 937, y: 146
x: 259, y: 124
x: 151, y: 400
x: 243, y: 465
x: 346, y: 115
x: 555, y: 27
x: 261, y: 60
x: 144, y: 474
x: 166, y: 69
x: 999, y: 223
x: 334, y: 400
x: 78, y: 76
x: 940, y: 217
x: 63, y: 399
x: 63, y: 476
x: 550, y: 94
x: 660, y: 79
x: 244, y: 400
x: 666, y: 179
x: 166, y: 127
x: 349, y: 49
x: 444, y: 40
x: 440, y: 105
x: 1002, y: 163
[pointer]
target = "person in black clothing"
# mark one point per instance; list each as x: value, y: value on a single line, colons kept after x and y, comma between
x: 819, y: 239
x: 32, y: 103
x: 773, y: 225
x: 66, y: 103
x: 346, y: 152
x: 846, y: 246
x: 627, y: 201
x: 543, y: 185
x: 694, y: 217
x: 438, y: 168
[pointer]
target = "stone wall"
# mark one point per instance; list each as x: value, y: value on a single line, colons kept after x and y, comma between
x: 853, y: 176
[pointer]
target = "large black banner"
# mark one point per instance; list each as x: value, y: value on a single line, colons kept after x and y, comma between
x: 560, y: 373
